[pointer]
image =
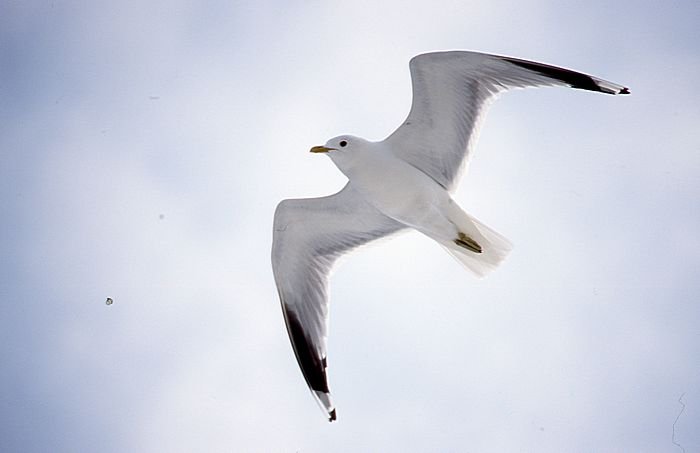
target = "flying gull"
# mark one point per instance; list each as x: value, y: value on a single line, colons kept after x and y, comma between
x: 404, y: 181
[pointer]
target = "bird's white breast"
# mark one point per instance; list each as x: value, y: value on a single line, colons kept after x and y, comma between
x: 395, y: 187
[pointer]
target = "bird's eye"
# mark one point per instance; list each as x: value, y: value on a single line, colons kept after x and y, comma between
x: 343, y: 143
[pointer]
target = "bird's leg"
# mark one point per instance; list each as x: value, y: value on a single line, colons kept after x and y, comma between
x: 468, y: 243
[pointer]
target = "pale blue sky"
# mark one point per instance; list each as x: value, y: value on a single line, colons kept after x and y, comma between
x: 145, y: 145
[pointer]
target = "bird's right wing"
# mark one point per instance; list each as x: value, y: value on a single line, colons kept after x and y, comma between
x: 450, y: 93
x: 309, y: 235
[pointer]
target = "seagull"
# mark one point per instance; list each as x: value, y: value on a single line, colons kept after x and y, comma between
x: 402, y: 182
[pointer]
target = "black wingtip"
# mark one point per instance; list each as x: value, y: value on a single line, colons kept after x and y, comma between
x: 331, y: 416
x: 572, y: 78
x: 312, y: 366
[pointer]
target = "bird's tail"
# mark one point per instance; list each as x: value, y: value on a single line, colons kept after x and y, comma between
x: 477, y: 247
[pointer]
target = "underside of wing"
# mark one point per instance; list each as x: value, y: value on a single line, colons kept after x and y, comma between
x: 309, y: 235
x: 451, y: 91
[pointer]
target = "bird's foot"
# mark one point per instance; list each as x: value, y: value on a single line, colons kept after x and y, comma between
x: 468, y: 243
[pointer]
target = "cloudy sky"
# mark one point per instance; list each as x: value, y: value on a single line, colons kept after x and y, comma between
x: 145, y: 145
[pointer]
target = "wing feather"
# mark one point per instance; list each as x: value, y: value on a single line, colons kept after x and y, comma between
x: 309, y: 235
x: 451, y: 91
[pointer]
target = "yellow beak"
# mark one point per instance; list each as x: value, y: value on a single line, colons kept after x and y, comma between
x: 321, y: 149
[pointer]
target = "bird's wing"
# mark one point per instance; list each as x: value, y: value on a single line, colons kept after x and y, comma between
x: 451, y: 91
x: 309, y: 234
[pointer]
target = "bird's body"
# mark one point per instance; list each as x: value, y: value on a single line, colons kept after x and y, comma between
x: 397, y: 189
x: 404, y: 193
x: 402, y: 182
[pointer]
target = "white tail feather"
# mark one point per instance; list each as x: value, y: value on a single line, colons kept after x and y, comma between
x: 494, y: 246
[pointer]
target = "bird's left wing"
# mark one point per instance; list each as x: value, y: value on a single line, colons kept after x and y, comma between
x: 451, y: 90
x: 309, y: 235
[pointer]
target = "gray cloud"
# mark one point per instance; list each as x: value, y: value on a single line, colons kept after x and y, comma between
x: 145, y: 146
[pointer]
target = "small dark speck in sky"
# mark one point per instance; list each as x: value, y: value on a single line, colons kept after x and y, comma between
x: 161, y: 216
x: 109, y: 301
x: 153, y: 98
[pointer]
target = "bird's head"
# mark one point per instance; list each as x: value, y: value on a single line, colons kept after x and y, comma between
x: 344, y: 150
x: 342, y: 143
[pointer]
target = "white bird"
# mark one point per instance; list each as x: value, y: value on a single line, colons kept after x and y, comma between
x: 403, y: 181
